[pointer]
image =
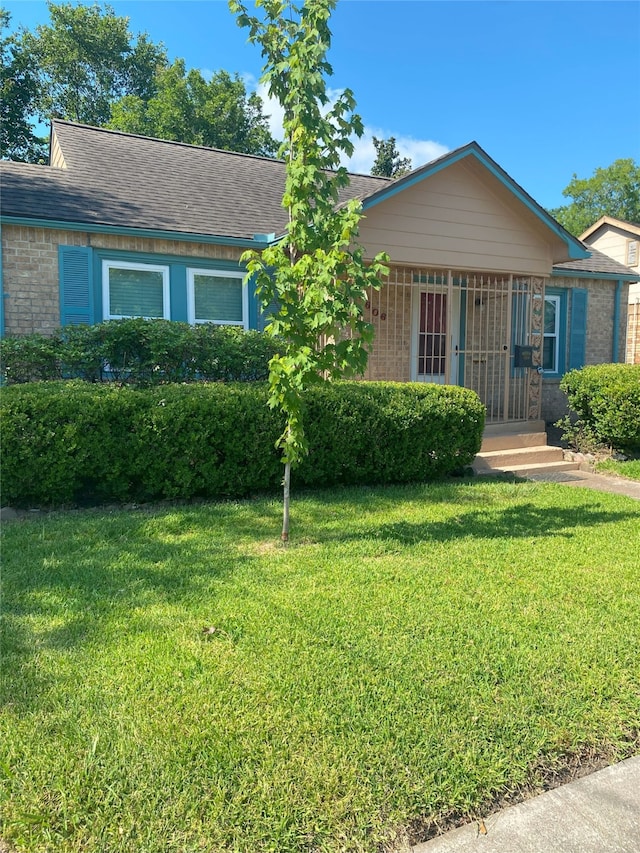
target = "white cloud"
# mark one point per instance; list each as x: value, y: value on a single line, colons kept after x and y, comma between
x: 272, y: 109
x: 420, y: 151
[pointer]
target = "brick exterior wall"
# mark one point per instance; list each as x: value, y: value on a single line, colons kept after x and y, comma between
x: 633, y: 333
x: 554, y: 401
x: 30, y: 269
x: 30, y: 275
x: 600, y: 310
x: 389, y: 311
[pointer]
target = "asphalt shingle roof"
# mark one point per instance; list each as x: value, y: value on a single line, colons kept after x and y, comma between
x: 117, y: 179
x: 598, y: 262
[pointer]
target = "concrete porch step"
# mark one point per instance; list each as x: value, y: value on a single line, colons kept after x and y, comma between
x: 505, y: 459
x: 513, y: 435
x: 529, y: 470
x: 519, y: 448
x: 512, y: 441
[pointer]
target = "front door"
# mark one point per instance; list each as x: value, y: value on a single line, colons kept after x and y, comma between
x: 436, y: 329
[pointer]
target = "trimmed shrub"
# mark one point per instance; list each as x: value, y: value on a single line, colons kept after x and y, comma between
x: 32, y: 358
x: 71, y: 442
x: 231, y: 354
x: 385, y: 432
x: 606, y: 399
x: 139, y: 352
x: 64, y: 441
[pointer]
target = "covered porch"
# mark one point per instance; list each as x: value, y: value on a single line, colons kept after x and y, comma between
x: 479, y: 330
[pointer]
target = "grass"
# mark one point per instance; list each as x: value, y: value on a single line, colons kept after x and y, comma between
x: 629, y: 469
x: 414, y: 654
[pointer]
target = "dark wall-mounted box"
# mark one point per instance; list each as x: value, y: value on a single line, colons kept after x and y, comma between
x: 523, y: 356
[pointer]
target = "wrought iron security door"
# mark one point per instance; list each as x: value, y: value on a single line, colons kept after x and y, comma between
x: 461, y: 328
x: 499, y: 314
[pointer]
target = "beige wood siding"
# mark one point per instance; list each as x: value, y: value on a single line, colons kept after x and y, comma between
x: 611, y: 244
x: 459, y: 219
x: 56, y: 157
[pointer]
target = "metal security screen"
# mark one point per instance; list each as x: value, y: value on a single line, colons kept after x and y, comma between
x: 458, y: 328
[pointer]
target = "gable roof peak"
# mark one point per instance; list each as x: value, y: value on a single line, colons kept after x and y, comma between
x: 574, y: 247
x: 623, y: 224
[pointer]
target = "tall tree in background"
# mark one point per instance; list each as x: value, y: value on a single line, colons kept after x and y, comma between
x: 18, y: 92
x: 388, y: 162
x: 316, y: 274
x: 86, y: 59
x: 611, y: 191
x: 87, y: 66
x: 187, y: 108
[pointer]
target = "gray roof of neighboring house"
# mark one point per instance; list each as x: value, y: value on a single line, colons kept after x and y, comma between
x: 117, y: 179
x: 598, y: 263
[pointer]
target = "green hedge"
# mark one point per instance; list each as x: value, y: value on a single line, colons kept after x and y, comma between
x: 139, y: 352
x: 73, y: 442
x: 606, y: 399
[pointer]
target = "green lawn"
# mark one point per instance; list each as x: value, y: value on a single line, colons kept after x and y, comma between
x: 629, y: 469
x: 414, y: 653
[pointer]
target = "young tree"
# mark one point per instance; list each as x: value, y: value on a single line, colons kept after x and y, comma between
x: 611, y: 191
x: 86, y: 59
x: 316, y: 274
x: 18, y: 91
x: 187, y: 108
x: 388, y: 162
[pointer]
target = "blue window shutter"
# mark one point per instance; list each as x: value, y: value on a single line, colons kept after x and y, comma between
x: 264, y: 316
x: 578, y: 328
x: 254, y: 305
x: 76, y: 286
x: 258, y: 317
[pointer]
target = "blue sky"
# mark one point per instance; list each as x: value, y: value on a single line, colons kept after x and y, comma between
x: 547, y: 88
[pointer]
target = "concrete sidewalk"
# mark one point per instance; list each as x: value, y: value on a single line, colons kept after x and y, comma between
x: 599, y: 813
x: 587, y: 480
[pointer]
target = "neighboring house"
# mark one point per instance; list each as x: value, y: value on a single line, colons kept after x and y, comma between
x: 620, y: 240
x: 486, y: 290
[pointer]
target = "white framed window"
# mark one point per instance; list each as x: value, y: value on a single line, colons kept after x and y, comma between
x: 632, y: 253
x: 551, y: 341
x: 135, y: 290
x: 216, y: 296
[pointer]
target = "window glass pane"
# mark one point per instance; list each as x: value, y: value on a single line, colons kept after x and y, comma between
x: 135, y: 293
x: 217, y: 298
x: 549, y: 354
x: 549, y: 317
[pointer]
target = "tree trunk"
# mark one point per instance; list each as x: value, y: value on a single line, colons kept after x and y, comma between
x: 285, y: 514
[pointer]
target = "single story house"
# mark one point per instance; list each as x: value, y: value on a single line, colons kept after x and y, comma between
x: 485, y: 290
x: 620, y: 240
